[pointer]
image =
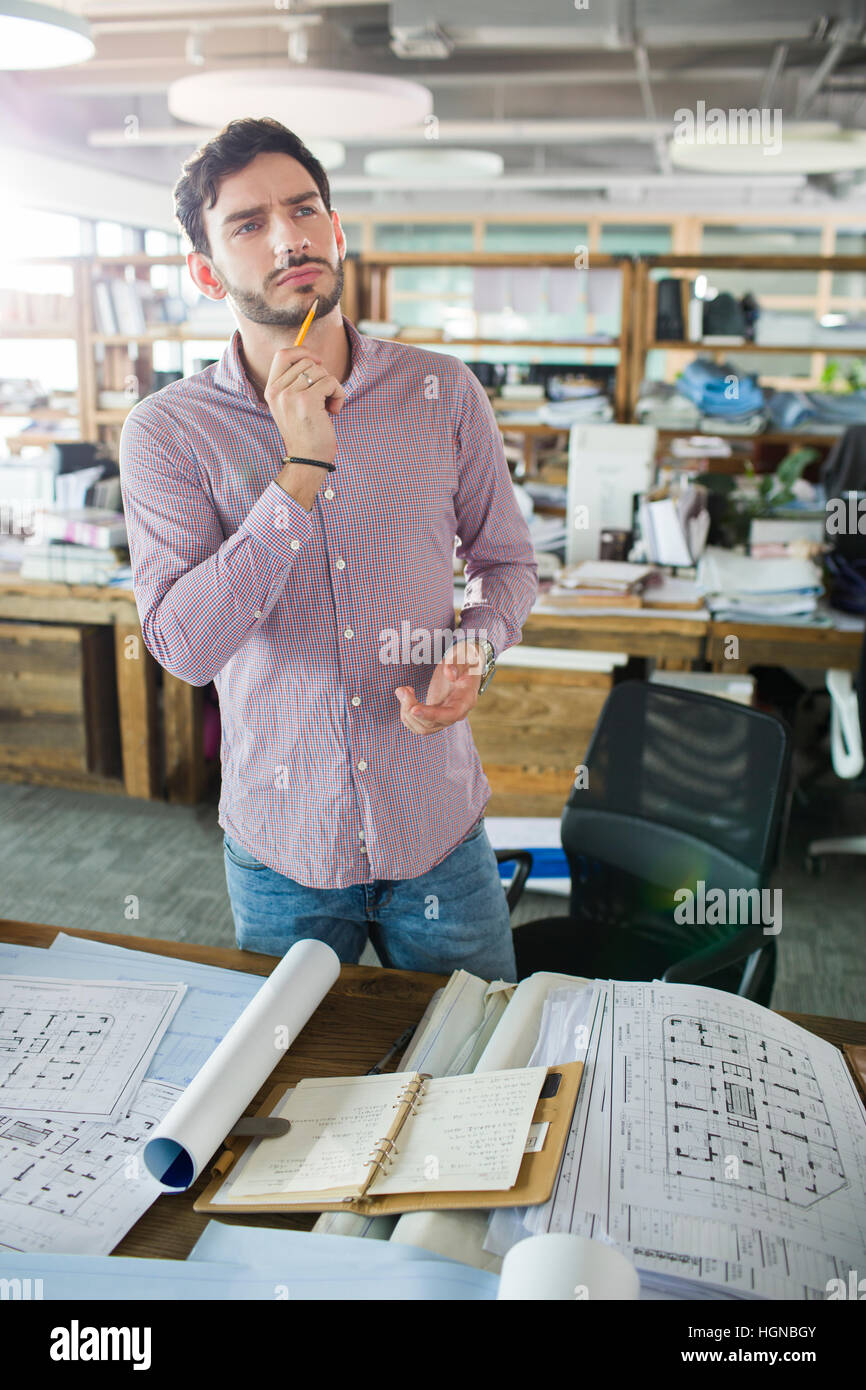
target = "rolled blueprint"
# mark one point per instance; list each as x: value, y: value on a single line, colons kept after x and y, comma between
x: 554, y: 1266
x: 197, y: 1124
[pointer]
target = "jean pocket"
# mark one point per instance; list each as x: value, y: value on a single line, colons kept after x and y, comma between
x: 240, y: 856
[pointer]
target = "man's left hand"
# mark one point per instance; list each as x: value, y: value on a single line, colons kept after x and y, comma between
x: 452, y: 692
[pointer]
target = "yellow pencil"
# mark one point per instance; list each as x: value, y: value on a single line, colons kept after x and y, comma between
x: 302, y: 331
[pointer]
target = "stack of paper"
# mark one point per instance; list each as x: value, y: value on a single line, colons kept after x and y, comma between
x: 674, y: 530
x: 756, y: 590
x: 599, y: 582
x: 76, y: 1106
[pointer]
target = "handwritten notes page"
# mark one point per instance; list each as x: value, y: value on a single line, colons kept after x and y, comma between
x: 335, y: 1124
x: 468, y: 1134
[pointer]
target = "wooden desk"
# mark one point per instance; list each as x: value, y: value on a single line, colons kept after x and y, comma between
x: 640, y: 632
x: 677, y: 641
x: 781, y: 644
x: 352, y: 1028
x: 150, y: 754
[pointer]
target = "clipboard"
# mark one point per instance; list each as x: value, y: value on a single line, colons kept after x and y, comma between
x: 534, y: 1184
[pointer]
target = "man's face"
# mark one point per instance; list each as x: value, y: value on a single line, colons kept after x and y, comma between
x: 273, y: 203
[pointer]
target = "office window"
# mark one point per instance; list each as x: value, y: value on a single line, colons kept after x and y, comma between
x: 110, y: 239
x: 422, y: 236
x: 353, y: 234
x: 850, y: 284
x: 628, y: 239
x: 26, y: 232
x: 563, y: 237
x: 763, y: 241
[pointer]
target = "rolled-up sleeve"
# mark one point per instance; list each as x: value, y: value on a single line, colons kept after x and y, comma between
x: 501, y: 569
x: 199, y: 595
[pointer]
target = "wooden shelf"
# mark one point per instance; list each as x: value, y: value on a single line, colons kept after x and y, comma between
x: 386, y: 259
x: 769, y: 437
x: 169, y: 334
x: 643, y: 323
x: 506, y: 342
x: 707, y: 261
x: 38, y: 413
x: 656, y: 346
x: 24, y: 330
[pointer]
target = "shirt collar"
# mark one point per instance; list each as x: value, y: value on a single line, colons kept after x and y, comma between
x: 230, y: 374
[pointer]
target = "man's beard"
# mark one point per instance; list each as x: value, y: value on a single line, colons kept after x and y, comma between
x: 255, y: 307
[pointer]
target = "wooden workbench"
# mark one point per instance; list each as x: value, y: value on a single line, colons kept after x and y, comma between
x: 352, y: 1028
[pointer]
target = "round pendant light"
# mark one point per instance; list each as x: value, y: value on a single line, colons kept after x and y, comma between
x: 41, y: 36
x: 319, y: 101
x: 722, y: 142
x: 435, y: 164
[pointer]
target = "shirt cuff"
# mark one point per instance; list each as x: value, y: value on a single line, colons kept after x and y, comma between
x: 278, y: 522
x: 484, y: 626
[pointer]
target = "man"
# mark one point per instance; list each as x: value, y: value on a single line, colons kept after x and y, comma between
x: 318, y: 593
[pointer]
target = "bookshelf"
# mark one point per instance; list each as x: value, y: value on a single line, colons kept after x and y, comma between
x: 108, y: 360
x: 376, y: 296
x: 685, y: 268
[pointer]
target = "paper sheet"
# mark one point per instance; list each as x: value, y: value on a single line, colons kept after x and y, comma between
x: 265, y: 1245
x: 469, y: 1133
x: 76, y: 1186
x: 74, y: 1278
x: 214, y: 1000
x: 220, y: 1092
x: 460, y: 1235
x: 78, y: 1048
x: 738, y: 1137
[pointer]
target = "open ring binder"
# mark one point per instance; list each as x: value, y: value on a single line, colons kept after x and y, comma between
x: 382, y: 1165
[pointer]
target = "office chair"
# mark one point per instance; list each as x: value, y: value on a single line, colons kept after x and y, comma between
x: 683, y: 788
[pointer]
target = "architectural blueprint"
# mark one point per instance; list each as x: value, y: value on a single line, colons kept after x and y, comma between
x: 716, y: 1144
x: 78, y: 1048
x: 736, y: 1141
x: 76, y: 1186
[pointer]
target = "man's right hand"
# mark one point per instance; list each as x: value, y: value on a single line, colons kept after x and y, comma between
x: 302, y: 406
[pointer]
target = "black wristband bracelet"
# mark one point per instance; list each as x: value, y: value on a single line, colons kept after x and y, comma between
x: 331, y: 467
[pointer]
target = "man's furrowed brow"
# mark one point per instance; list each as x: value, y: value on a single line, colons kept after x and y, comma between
x: 296, y: 198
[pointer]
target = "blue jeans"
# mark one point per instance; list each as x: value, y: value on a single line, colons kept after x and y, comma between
x: 453, y: 917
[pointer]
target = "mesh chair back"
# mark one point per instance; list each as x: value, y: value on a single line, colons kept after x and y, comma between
x: 713, y: 770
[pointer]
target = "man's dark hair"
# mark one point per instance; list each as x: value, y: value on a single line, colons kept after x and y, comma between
x: 236, y: 146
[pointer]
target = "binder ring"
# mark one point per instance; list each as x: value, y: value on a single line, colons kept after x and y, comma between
x: 412, y: 1090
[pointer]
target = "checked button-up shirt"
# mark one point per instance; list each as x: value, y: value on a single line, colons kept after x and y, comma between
x: 308, y: 621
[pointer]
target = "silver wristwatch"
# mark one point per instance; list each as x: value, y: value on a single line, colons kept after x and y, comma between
x: 489, y: 666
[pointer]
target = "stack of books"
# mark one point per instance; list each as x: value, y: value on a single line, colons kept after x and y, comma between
x: 598, y: 583
x: 85, y: 545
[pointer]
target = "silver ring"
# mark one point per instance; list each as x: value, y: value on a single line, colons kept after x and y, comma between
x: 309, y: 379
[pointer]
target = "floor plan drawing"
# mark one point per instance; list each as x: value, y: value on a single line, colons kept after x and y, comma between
x: 735, y: 1140
x: 77, y: 1186
x: 742, y: 1106
x: 78, y: 1048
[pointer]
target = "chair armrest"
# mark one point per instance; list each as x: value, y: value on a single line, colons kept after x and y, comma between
x: 706, y: 962
x: 523, y: 860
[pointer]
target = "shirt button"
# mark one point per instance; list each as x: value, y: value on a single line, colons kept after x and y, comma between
x: 356, y: 699
x: 329, y: 492
x: 295, y: 545
x: 341, y: 564
x: 360, y: 834
x: 362, y: 766
x: 258, y: 613
x: 348, y: 632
